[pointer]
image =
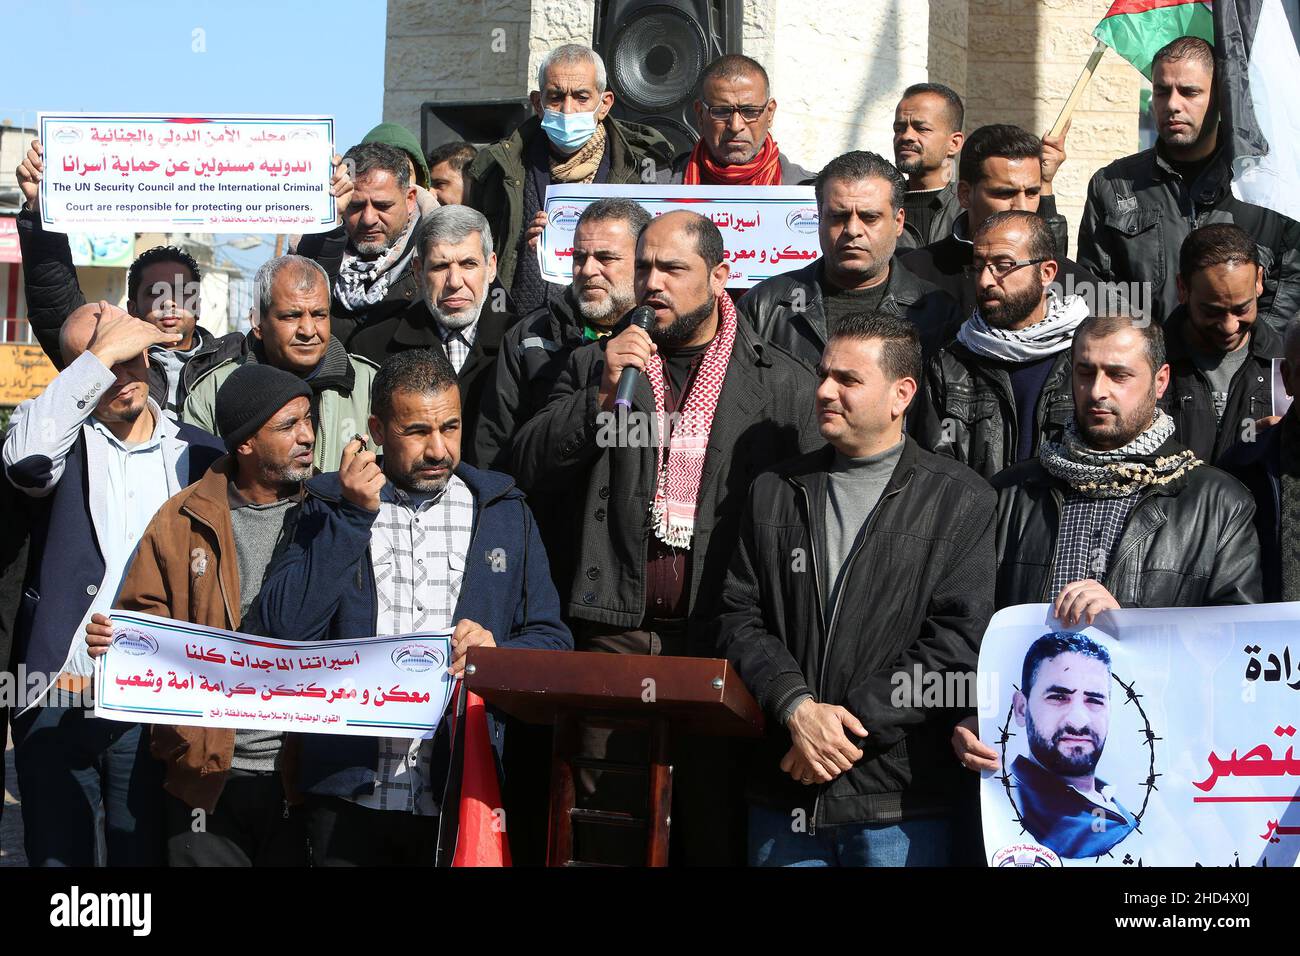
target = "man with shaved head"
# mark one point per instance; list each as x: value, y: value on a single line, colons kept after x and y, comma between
x: 659, y: 504
x: 98, y: 457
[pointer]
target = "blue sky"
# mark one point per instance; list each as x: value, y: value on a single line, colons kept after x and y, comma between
x: 261, y: 56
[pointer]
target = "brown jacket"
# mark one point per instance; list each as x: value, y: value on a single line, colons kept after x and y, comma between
x: 186, y: 569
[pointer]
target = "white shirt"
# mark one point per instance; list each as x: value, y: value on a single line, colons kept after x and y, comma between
x: 134, y: 477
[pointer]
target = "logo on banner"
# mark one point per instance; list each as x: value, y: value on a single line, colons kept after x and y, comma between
x: 418, y: 658
x: 566, y: 217
x: 1026, y: 854
x: 68, y: 134
x: 135, y: 643
x: 802, y: 220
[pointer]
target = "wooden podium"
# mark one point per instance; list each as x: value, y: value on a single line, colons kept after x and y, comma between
x: 659, y: 695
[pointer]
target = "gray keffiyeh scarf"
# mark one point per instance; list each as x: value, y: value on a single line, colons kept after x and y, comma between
x: 1121, y: 472
x: 1047, y: 337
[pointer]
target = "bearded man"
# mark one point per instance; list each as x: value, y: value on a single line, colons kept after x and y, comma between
x: 1002, y: 387
x: 461, y: 311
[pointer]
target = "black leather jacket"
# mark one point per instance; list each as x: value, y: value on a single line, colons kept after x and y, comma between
x: 1139, y: 210
x: 1190, y: 543
x: 916, y: 596
x: 1189, y: 400
x: 970, y: 412
x: 787, y: 310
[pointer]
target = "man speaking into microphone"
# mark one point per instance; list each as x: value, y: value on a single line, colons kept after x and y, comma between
x: 659, y: 513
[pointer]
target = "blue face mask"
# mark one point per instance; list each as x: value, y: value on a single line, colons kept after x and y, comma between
x: 569, y: 131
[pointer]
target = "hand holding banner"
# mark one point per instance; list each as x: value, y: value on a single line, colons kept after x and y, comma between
x: 186, y: 174
x: 766, y: 230
x: 163, y: 671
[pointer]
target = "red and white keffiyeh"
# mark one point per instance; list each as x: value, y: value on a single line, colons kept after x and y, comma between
x: 682, y: 462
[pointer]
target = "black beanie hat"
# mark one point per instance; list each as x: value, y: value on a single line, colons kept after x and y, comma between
x: 250, y: 396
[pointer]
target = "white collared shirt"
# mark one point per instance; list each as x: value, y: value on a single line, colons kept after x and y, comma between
x: 134, y: 481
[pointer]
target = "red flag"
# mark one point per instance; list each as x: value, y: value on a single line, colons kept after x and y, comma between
x: 480, y: 834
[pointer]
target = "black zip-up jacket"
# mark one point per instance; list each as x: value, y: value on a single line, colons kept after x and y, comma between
x: 1190, y: 399
x: 764, y: 415
x: 1139, y: 211
x: 53, y: 293
x: 1258, y: 465
x: 970, y: 409
x: 1190, y: 543
x: 787, y: 309
x: 917, y: 594
x: 533, y: 353
x: 947, y: 209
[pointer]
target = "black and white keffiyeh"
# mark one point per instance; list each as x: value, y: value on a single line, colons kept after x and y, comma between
x: 1044, y: 338
x: 363, y: 282
x: 1121, y: 471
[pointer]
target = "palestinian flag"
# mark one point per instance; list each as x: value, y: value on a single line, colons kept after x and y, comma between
x: 1257, y: 63
x: 1136, y: 29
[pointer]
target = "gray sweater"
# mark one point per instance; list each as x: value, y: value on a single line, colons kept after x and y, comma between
x: 853, y: 486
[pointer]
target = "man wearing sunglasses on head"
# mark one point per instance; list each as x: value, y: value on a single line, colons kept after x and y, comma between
x: 1002, y: 387
x: 734, y: 114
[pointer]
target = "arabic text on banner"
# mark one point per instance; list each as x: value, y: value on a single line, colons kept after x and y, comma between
x: 766, y: 230
x: 1152, y: 738
x: 157, y: 173
x: 163, y: 671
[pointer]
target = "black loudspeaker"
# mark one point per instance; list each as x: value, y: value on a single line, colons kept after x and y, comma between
x: 655, y: 52
x: 481, y: 122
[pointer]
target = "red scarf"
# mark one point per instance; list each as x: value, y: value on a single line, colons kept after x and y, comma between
x: 763, y: 170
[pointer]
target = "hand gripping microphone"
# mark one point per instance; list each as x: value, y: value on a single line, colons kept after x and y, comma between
x: 643, y: 317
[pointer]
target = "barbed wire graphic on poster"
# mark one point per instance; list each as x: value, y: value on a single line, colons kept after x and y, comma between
x: 1152, y: 738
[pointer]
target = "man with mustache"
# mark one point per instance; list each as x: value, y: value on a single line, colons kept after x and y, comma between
x: 661, y: 487
x: 927, y: 137
x: 533, y: 354
x: 1003, y: 386
x: 1118, y: 513
x: 416, y: 541
x: 1064, y: 705
x: 202, y: 560
x: 536, y: 349
x: 897, y: 547
x: 291, y: 331
x: 1220, y: 354
x: 96, y: 458
x: 734, y: 114
x: 860, y: 217
x: 370, y: 264
x: 1140, y: 208
x: 462, y: 312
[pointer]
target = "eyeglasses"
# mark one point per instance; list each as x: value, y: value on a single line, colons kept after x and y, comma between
x: 750, y: 114
x: 1001, y: 268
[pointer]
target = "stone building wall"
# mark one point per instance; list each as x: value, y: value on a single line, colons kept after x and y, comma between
x: 837, y: 66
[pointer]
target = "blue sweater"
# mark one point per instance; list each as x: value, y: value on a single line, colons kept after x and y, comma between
x: 323, y: 588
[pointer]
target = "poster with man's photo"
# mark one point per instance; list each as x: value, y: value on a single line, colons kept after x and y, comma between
x: 1151, y: 738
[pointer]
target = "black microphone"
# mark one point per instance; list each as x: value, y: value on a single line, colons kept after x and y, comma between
x: 643, y: 317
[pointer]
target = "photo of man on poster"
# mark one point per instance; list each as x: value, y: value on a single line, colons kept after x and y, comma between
x: 1064, y: 705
